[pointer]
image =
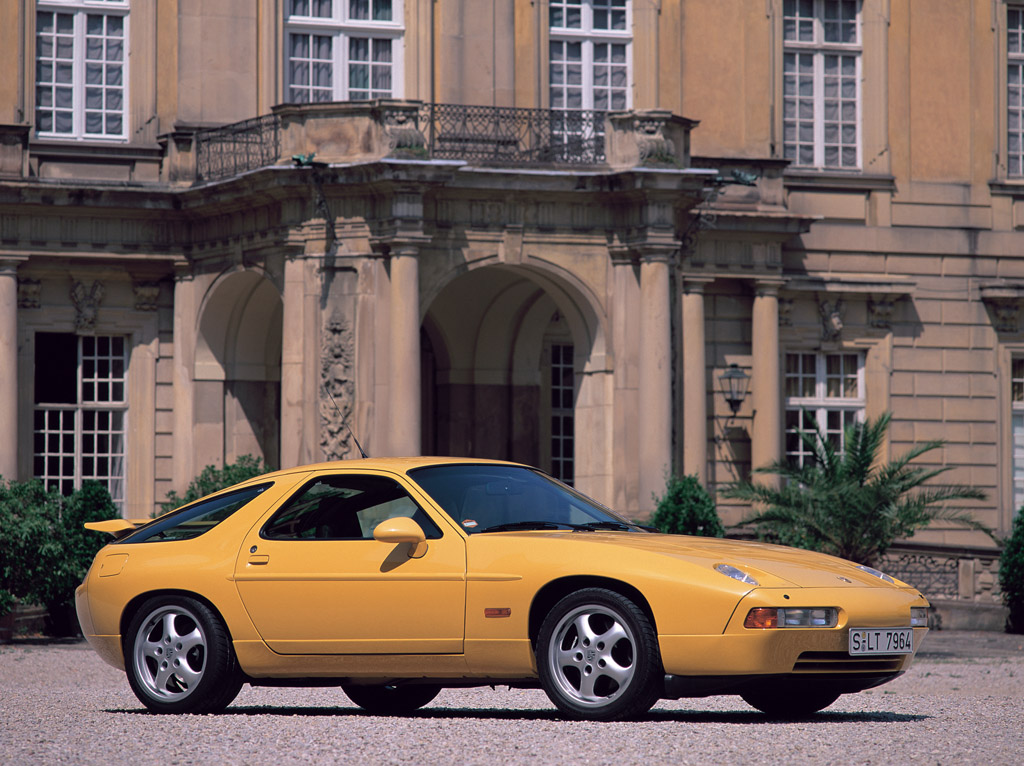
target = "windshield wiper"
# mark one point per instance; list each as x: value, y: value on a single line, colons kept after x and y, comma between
x: 616, y: 525
x: 512, y: 525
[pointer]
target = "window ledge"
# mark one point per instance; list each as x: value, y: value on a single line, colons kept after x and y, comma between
x: 834, y: 180
x: 1006, y: 187
x: 93, y: 150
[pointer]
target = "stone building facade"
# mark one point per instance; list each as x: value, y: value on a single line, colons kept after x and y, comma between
x: 528, y: 229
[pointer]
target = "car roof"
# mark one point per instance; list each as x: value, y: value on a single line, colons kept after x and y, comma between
x: 393, y: 464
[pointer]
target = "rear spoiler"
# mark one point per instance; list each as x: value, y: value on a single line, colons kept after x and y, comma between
x: 116, y: 527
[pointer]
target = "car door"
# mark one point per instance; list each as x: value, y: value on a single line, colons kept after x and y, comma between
x: 314, y: 581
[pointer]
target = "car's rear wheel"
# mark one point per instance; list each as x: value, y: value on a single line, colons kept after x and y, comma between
x: 389, y: 699
x: 790, y: 700
x: 598, y: 657
x: 179, y: 658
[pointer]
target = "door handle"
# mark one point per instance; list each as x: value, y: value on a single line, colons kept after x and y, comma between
x: 259, y: 560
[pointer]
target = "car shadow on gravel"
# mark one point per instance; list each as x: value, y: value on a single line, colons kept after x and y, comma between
x: 499, y: 714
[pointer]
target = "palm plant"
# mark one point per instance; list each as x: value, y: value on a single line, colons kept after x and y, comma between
x: 849, y: 504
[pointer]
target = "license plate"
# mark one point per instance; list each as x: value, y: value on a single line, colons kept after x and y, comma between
x: 881, y: 640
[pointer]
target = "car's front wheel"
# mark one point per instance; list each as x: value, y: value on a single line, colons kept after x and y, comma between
x: 179, y: 658
x: 790, y: 700
x: 388, y: 699
x: 598, y: 657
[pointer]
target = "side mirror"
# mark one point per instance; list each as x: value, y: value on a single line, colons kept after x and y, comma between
x: 402, y: 529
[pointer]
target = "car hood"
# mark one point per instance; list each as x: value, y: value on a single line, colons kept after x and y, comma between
x: 770, y: 565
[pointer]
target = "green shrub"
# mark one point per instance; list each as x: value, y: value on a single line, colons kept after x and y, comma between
x: 687, y: 509
x: 1011, y: 576
x: 44, y: 549
x: 211, y: 479
x: 852, y: 504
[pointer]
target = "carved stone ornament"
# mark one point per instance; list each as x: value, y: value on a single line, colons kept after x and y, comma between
x: 785, y: 312
x: 1006, y: 313
x: 28, y: 293
x: 651, y: 140
x: 831, y: 319
x: 402, y: 128
x: 880, y: 312
x: 87, y: 305
x: 146, y: 295
x: 336, y: 389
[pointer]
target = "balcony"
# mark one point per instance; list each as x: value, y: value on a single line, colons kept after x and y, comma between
x: 479, y: 135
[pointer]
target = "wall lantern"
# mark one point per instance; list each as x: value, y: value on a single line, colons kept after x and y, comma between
x: 734, y: 386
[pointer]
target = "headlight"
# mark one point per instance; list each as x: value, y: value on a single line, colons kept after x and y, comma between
x: 736, y: 574
x: 919, y: 617
x: 792, y: 617
x: 875, y: 573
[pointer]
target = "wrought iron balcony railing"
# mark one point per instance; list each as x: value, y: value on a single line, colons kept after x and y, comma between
x: 480, y: 134
x: 513, y: 136
x: 232, y: 149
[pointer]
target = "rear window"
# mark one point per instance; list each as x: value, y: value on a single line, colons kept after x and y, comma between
x: 193, y: 520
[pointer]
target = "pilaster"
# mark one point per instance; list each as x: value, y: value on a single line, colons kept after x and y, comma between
x: 766, y: 442
x: 9, y: 365
x: 695, y: 408
x: 655, y: 375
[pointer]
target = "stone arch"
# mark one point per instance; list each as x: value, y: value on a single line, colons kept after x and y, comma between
x: 486, y: 327
x: 237, y: 369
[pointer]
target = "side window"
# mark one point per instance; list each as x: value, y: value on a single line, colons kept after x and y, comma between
x: 345, y: 507
x: 192, y: 520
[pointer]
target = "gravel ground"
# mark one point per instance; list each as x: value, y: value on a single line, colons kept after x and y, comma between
x: 962, y: 703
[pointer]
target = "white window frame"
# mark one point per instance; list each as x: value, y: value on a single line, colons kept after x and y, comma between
x: 563, y: 419
x: 1015, y: 91
x: 818, y: 49
x: 80, y: 10
x: 1017, y: 430
x: 341, y: 28
x: 63, y: 446
x: 817, y: 404
x: 588, y: 37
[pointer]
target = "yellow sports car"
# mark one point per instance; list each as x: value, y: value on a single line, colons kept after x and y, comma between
x: 394, y: 578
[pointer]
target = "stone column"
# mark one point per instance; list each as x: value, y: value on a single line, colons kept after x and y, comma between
x: 294, y: 330
x: 405, y: 403
x: 655, y: 378
x: 695, y: 406
x: 9, y: 365
x: 766, y: 394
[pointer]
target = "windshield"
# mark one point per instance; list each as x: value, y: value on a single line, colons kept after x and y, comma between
x: 500, y: 498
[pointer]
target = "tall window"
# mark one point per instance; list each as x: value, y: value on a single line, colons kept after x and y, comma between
x: 1017, y: 403
x: 342, y: 50
x: 590, y: 51
x: 821, y: 76
x: 80, y: 408
x: 1015, y: 90
x: 590, y: 67
x: 824, y: 392
x: 563, y: 425
x: 81, y: 62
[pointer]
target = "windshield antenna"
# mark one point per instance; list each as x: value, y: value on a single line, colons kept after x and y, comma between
x: 345, y: 421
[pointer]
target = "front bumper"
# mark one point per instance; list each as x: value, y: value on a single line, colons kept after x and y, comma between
x: 811, y: 654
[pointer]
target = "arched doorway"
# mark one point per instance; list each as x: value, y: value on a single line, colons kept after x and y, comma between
x: 237, y: 374
x: 509, y: 361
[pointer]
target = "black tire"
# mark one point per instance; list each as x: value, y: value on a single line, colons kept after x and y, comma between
x: 790, y: 701
x: 598, y: 657
x: 388, y: 699
x: 178, y: 657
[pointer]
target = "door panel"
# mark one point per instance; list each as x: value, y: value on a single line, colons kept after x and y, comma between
x: 314, y: 581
